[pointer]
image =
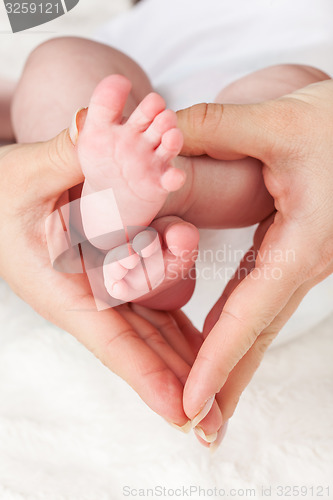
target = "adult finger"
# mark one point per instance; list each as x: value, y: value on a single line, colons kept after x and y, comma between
x: 110, y: 338
x: 246, y: 264
x: 193, y: 336
x: 245, y: 267
x: 252, y: 306
x: 233, y: 131
x: 172, y: 333
x: 244, y: 370
x: 152, y: 328
x: 43, y: 170
x: 174, y: 342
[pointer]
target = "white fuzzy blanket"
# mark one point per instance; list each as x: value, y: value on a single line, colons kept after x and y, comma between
x: 71, y: 430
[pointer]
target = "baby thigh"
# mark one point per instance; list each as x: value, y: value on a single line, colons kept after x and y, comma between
x: 59, y: 77
x: 269, y: 83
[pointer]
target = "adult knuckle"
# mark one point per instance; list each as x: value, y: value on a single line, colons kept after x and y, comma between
x: 205, y: 115
x: 121, y: 336
x: 168, y: 327
x: 162, y: 381
x: 152, y: 336
x: 158, y: 373
x: 246, y: 325
x: 263, y: 342
x: 212, y: 116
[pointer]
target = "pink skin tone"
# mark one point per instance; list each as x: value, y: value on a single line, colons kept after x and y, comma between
x: 135, y: 160
x: 115, y: 114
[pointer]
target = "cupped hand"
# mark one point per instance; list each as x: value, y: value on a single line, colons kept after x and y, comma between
x: 151, y: 353
x: 293, y: 137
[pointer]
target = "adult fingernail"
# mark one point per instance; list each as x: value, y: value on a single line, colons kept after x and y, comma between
x: 74, y: 128
x: 220, y: 436
x: 184, y: 428
x: 209, y: 438
x: 203, y: 412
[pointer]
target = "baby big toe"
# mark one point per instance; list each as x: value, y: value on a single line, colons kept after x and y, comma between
x: 108, y: 101
x: 146, y: 243
x: 171, y: 145
x: 181, y: 238
x: 144, y: 114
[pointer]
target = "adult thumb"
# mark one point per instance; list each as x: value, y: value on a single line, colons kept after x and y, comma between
x: 43, y: 170
x: 59, y: 165
x: 231, y: 131
x: 63, y: 168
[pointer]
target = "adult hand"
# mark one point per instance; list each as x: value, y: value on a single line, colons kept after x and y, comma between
x: 148, y: 350
x: 293, y: 137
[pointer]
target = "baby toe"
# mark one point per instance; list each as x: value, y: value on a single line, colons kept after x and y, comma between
x: 131, y: 261
x: 137, y: 282
x: 163, y: 122
x: 171, y: 145
x: 145, y: 113
x: 117, y: 289
x: 155, y: 269
x: 146, y: 243
x: 173, y: 179
x: 115, y: 271
x: 108, y: 101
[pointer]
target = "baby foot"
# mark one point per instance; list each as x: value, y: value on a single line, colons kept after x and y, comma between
x: 133, y: 270
x: 134, y: 159
x: 157, y: 258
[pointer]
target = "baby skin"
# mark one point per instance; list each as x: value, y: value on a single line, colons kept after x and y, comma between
x: 128, y: 147
x: 138, y: 159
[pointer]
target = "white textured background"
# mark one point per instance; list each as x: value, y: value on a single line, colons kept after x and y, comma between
x: 70, y: 430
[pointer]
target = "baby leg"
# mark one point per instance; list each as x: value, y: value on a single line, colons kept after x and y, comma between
x: 65, y: 74
x: 59, y: 77
x: 270, y: 83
